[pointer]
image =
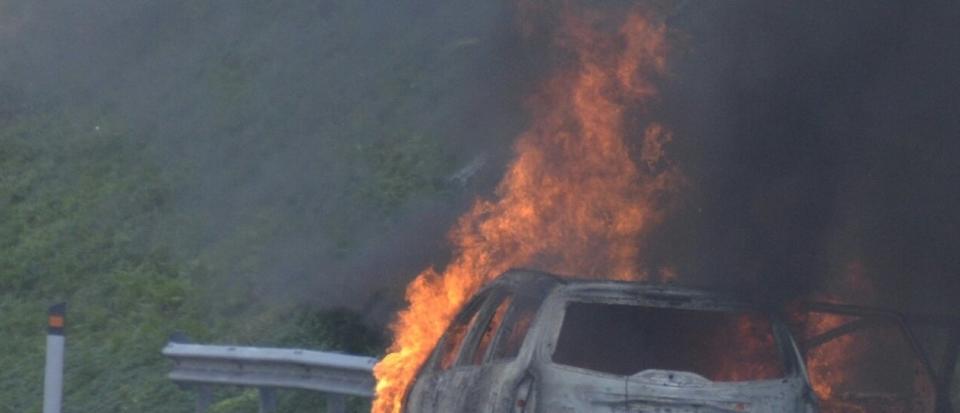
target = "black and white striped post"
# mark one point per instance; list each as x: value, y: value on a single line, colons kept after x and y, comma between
x: 53, y: 375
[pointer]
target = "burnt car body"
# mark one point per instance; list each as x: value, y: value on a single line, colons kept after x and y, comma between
x: 532, y: 342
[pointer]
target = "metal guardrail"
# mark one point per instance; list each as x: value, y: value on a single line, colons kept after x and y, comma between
x: 267, y: 369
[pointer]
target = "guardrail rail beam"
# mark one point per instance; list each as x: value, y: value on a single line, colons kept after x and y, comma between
x: 338, y: 375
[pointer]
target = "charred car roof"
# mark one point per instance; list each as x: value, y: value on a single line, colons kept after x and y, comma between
x: 632, y: 292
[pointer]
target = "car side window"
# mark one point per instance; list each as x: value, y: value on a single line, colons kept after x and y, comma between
x: 451, y: 344
x: 488, y: 333
x: 515, y: 327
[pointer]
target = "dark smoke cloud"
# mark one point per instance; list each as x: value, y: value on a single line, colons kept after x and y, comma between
x: 269, y: 114
x: 818, y: 135
x: 814, y: 135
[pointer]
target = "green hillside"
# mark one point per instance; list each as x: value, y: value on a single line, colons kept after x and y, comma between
x: 84, y: 215
x: 218, y: 169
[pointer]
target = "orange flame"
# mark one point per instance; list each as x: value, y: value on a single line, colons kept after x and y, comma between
x: 827, y: 365
x: 831, y: 365
x: 871, y: 370
x: 572, y: 201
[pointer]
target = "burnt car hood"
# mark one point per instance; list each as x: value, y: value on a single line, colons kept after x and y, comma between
x: 660, y: 391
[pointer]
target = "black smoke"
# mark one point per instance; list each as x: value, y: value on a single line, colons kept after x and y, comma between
x: 271, y: 120
x: 814, y: 136
x: 818, y: 137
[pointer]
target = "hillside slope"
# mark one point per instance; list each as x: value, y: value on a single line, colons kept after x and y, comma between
x: 225, y: 170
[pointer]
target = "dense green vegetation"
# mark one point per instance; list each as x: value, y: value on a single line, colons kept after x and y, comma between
x: 82, y: 209
x: 200, y: 167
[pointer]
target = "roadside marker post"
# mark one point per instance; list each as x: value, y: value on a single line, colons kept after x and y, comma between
x: 53, y: 374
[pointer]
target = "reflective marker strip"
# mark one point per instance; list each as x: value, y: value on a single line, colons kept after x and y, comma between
x: 55, y: 320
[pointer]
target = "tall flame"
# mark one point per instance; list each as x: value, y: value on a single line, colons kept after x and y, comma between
x: 572, y: 201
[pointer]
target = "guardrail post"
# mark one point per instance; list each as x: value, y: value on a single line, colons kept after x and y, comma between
x: 268, y: 400
x: 336, y: 403
x: 53, y: 374
x: 204, y: 398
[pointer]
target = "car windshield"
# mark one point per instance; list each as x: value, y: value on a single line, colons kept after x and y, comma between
x: 627, y: 339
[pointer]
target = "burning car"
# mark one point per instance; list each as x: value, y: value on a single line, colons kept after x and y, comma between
x: 533, y: 342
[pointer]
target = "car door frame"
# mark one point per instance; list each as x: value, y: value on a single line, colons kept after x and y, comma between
x: 455, y: 384
x: 942, y: 378
x: 425, y: 393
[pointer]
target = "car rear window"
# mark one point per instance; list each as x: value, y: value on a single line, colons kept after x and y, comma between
x: 628, y: 339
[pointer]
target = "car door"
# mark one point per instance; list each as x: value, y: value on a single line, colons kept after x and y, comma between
x: 868, y: 359
x: 498, y: 385
x: 478, y: 364
x: 457, y: 384
x: 432, y: 381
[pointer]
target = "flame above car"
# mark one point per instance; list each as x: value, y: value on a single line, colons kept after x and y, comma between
x: 573, y: 200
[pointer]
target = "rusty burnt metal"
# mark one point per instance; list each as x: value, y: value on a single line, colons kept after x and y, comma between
x: 557, y: 348
x: 941, y: 370
x: 535, y: 342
